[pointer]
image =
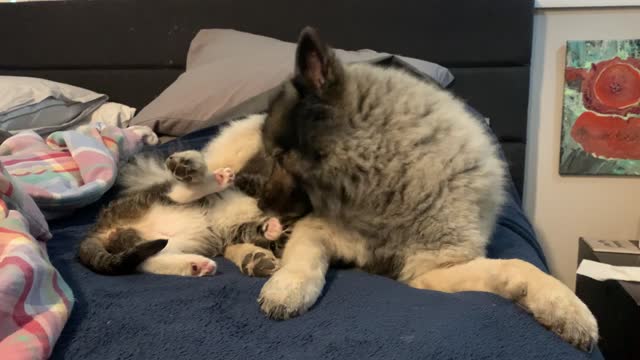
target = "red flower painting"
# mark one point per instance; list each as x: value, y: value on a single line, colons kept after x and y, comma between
x: 601, y: 120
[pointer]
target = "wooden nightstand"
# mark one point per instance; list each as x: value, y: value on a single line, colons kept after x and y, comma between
x: 615, y: 304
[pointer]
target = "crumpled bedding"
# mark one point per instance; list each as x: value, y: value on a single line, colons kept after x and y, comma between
x: 68, y: 170
x: 73, y: 168
x: 35, y: 302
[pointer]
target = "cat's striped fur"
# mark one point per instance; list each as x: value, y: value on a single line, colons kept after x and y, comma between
x: 172, y: 219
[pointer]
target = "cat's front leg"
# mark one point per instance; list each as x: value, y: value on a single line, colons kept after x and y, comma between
x: 187, y: 166
x: 193, y: 181
x: 294, y: 288
x: 272, y: 229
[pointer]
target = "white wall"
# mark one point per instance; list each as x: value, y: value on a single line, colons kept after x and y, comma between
x: 564, y: 208
x: 539, y: 4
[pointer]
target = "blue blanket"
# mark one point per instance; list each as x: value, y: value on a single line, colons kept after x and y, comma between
x: 359, y: 316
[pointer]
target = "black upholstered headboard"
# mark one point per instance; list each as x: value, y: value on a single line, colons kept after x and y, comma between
x: 132, y: 49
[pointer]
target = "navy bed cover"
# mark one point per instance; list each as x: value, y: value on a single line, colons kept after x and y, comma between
x: 359, y: 316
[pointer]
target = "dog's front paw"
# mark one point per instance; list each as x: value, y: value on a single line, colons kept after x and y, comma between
x: 556, y: 307
x: 288, y: 293
x: 187, y: 166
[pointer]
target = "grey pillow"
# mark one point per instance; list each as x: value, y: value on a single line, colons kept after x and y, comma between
x: 231, y: 73
x: 42, y: 105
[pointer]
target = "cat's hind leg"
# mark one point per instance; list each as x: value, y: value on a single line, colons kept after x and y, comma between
x: 179, y: 264
x: 252, y: 260
x: 236, y: 144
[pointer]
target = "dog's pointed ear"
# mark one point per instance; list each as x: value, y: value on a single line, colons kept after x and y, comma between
x: 316, y: 63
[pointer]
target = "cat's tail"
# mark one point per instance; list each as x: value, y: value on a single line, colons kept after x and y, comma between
x: 94, y: 255
x: 144, y: 172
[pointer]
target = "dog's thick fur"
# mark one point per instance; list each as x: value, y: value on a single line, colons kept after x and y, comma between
x: 403, y: 182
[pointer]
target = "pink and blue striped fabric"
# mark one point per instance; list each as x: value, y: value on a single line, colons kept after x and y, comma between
x: 35, y: 302
x: 66, y: 171
x: 71, y: 169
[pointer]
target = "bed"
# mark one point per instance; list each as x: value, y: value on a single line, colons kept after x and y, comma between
x: 133, y: 49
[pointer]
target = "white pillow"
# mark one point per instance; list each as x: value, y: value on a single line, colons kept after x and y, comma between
x: 42, y: 105
x: 113, y: 114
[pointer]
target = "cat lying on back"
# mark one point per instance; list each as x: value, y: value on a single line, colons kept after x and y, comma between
x: 173, y: 217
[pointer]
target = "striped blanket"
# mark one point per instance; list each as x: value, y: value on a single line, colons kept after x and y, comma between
x: 71, y: 169
x: 66, y: 171
x: 35, y: 302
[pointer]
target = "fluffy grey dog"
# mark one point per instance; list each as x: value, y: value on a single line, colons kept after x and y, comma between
x: 403, y: 182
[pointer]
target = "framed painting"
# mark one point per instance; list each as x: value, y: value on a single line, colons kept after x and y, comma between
x: 601, y: 109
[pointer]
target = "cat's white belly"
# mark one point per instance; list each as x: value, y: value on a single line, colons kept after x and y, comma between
x: 231, y: 208
x: 185, y: 227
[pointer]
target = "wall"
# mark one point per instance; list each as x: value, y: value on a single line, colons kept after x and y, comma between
x: 565, y: 208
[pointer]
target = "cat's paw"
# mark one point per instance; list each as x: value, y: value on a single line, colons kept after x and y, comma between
x: 289, y: 293
x: 272, y: 229
x: 196, y: 265
x: 556, y: 307
x: 224, y: 177
x: 178, y: 264
x: 187, y: 166
x: 201, y: 266
x: 260, y: 263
